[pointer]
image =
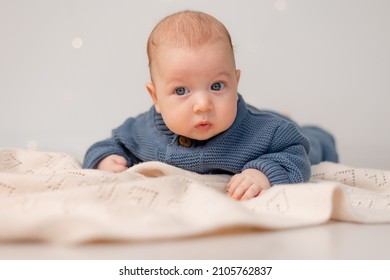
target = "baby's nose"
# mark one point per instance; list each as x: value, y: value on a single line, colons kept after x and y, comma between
x: 203, y: 102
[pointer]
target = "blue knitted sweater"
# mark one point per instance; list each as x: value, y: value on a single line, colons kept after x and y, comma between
x: 256, y: 139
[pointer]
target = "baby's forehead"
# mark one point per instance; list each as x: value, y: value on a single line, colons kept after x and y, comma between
x: 181, y: 40
x: 209, y: 59
x: 165, y: 51
x: 170, y: 45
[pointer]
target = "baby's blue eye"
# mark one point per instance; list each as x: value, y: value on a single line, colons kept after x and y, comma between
x: 217, y: 86
x: 181, y: 91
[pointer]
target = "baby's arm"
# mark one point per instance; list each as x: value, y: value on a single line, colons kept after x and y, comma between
x: 100, y: 152
x: 247, y: 184
x: 113, y: 163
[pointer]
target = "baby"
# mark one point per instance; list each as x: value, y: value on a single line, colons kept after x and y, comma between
x: 199, y: 122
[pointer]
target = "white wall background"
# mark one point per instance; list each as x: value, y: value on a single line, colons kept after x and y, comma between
x: 71, y: 70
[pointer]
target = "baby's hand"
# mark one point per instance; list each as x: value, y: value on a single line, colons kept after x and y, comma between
x: 247, y: 184
x: 113, y: 163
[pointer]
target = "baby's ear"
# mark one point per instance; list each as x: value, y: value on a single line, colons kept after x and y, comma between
x: 238, y: 75
x: 152, y: 92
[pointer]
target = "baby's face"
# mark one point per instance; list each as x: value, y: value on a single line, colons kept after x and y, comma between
x: 195, y: 90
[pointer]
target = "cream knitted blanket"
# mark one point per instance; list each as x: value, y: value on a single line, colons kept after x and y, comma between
x: 48, y: 197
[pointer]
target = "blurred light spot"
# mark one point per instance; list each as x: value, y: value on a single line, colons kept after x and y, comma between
x: 32, y: 145
x: 77, y: 42
x: 280, y: 5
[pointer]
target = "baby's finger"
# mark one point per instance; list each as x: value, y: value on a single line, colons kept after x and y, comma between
x: 234, y: 182
x: 251, y: 192
x: 117, y: 168
x: 238, y: 193
x: 120, y: 160
x: 241, y: 189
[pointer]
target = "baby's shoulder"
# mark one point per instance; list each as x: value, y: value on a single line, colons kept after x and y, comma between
x: 267, y: 116
x: 140, y: 121
x: 266, y: 122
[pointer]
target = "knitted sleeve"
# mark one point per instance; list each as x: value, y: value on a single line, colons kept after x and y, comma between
x: 112, y: 146
x: 103, y: 149
x: 287, y: 159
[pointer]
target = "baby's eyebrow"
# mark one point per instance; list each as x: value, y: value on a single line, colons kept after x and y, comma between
x: 223, y: 73
x: 176, y: 80
x: 182, y: 78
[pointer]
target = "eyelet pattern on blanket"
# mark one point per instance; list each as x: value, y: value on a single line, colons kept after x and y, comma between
x: 48, y: 197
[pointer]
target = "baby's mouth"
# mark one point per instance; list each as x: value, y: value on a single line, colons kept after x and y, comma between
x: 203, y: 125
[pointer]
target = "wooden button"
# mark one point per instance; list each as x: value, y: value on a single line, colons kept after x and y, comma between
x: 185, y: 142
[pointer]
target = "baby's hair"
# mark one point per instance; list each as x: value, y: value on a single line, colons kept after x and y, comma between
x: 187, y: 29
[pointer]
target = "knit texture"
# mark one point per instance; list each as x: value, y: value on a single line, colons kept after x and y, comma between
x: 257, y: 139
